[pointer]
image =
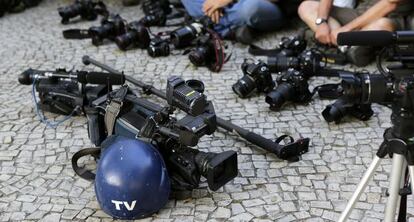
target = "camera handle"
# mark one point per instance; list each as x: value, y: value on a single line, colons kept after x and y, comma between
x: 291, y: 151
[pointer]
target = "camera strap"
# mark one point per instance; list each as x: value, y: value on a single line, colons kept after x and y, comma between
x: 115, y: 102
x: 256, y: 50
x: 82, y: 171
x: 219, y: 52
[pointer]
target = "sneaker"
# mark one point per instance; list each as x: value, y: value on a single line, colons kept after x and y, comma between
x: 130, y: 2
x: 360, y: 55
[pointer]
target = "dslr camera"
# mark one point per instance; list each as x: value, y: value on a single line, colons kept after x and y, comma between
x: 209, y: 52
x: 136, y: 35
x: 256, y: 77
x: 158, y: 47
x: 110, y: 28
x: 292, y: 85
x: 86, y: 9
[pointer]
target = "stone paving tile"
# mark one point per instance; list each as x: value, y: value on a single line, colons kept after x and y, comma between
x: 37, y: 182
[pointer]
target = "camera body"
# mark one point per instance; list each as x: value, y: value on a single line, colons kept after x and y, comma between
x: 86, y: 9
x: 158, y: 47
x: 110, y: 28
x: 135, y: 36
x: 209, y: 52
x: 256, y: 76
x: 292, y: 86
x: 292, y: 45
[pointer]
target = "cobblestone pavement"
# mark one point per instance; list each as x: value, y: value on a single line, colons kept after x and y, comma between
x: 38, y: 183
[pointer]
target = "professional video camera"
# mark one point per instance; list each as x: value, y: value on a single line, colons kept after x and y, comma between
x: 121, y: 113
x: 135, y: 36
x: 359, y: 90
x: 86, y: 9
x: 392, y: 87
x: 67, y: 92
x: 209, y: 52
x: 256, y: 76
x: 111, y: 27
x: 142, y: 119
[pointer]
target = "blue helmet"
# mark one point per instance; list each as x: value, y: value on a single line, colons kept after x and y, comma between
x: 131, y: 179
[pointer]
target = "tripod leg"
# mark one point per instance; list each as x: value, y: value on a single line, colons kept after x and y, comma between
x: 361, y: 187
x: 411, y: 171
x: 398, y: 162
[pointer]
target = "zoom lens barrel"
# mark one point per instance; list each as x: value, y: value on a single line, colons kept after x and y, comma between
x: 336, y: 111
x: 199, y: 56
x: 280, y: 96
x: 244, y: 86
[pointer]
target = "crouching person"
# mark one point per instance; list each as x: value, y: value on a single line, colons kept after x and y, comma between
x: 239, y: 20
x: 327, y: 18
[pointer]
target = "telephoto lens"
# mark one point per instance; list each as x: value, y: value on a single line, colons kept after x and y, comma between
x: 255, y: 76
x: 183, y: 37
x: 158, y: 47
x: 292, y: 87
x: 281, y: 63
x: 136, y: 36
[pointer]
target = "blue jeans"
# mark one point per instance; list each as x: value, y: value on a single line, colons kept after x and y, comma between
x: 260, y: 15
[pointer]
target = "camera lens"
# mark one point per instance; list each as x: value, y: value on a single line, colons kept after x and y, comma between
x: 184, y: 36
x: 162, y: 49
x: 199, y: 56
x: 217, y: 168
x: 279, y: 96
x: 244, y: 86
x: 335, y: 112
x: 281, y: 63
x: 125, y: 40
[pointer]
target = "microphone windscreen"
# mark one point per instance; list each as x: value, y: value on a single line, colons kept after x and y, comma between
x: 25, y: 78
x: 366, y: 38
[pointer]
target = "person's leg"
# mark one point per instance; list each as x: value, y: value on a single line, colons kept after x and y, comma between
x: 308, y: 12
x: 194, y: 7
x: 260, y: 15
x: 384, y: 24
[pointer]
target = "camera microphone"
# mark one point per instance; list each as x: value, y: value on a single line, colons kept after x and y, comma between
x: 102, y: 78
x: 375, y: 38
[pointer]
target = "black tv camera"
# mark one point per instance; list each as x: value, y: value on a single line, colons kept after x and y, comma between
x: 393, y: 86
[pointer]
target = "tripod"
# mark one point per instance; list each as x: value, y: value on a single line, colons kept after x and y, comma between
x: 401, y: 148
